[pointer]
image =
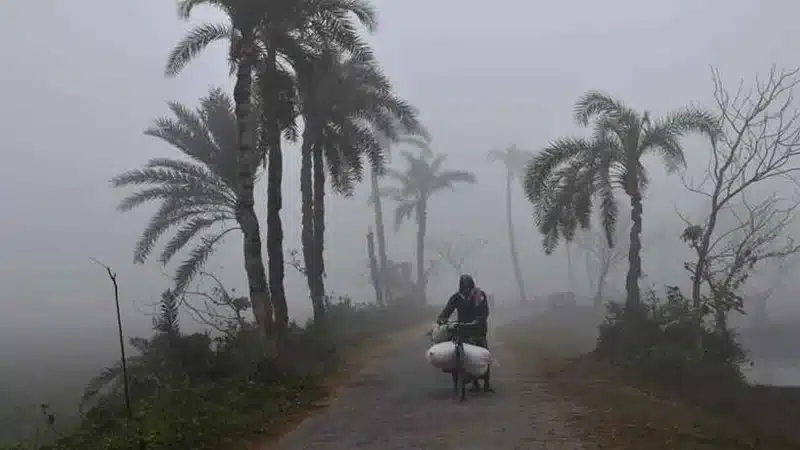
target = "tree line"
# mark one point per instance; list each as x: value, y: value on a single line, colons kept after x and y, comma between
x: 303, y: 74
x: 741, y: 233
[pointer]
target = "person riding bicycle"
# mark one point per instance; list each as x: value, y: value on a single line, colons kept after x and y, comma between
x: 471, y: 304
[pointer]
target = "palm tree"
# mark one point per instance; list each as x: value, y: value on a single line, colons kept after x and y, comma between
x: 422, y: 178
x: 290, y: 33
x: 421, y: 141
x: 349, y: 107
x: 562, y: 180
x: 514, y: 160
x: 240, y: 31
x: 197, y: 195
x: 273, y: 37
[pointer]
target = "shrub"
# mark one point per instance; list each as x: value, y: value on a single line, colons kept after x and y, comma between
x: 195, y: 392
x: 662, y: 340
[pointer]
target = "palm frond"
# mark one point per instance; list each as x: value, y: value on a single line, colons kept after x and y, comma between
x: 402, y: 212
x: 108, y: 378
x: 170, y: 213
x: 197, y: 259
x: 188, y: 232
x: 541, y: 166
x: 596, y: 103
x: 194, y: 43
x: 448, y: 179
x: 663, y: 136
x: 513, y: 158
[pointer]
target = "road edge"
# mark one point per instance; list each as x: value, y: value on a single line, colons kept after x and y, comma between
x: 354, y: 361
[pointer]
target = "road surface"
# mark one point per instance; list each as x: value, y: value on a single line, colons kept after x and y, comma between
x: 397, y: 401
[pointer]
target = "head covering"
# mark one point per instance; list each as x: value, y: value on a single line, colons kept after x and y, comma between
x: 465, y: 284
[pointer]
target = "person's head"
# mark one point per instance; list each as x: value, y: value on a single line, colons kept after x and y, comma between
x: 465, y: 284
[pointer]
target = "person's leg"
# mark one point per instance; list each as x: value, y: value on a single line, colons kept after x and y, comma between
x: 487, y: 387
x: 476, y: 387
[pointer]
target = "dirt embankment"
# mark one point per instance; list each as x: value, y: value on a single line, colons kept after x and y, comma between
x: 621, y: 412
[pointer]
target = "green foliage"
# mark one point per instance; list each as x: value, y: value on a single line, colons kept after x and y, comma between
x: 351, y: 109
x: 659, y: 340
x: 567, y: 178
x: 513, y: 158
x: 196, y: 195
x: 422, y: 178
x: 192, y: 391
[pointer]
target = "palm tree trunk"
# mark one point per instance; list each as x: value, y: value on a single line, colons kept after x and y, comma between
x: 374, y: 271
x: 274, y: 196
x: 570, y: 278
x: 383, y: 270
x: 245, y: 207
x: 318, y: 266
x: 601, y: 284
x: 307, y: 213
x: 512, y: 244
x: 634, y: 254
x: 422, y: 223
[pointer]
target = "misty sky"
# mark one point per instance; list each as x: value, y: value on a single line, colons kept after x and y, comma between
x: 80, y: 80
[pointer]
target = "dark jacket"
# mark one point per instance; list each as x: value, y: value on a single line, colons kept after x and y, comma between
x: 471, y: 307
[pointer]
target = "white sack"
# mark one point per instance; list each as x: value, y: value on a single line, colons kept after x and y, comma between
x: 443, y: 356
x: 439, y: 333
x: 476, y: 360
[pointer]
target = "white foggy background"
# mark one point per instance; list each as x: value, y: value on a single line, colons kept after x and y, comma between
x: 81, y: 80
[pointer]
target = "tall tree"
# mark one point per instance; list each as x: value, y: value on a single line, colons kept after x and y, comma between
x: 243, y: 17
x: 349, y: 108
x: 514, y: 159
x: 419, y: 140
x: 197, y: 195
x: 290, y: 33
x: 562, y: 180
x: 422, y: 178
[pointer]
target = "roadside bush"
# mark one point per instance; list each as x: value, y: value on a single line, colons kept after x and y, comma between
x: 660, y: 341
x: 197, y: 392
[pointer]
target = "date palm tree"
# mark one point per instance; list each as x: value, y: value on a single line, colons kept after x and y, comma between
x: 273, y: 37
x: 290, y: 34
x: 422, y: 178
x: 348, y: 106
x: 240, y: 31
x: 198, y: 194
x: 514, y: 159
x: 563, y: 180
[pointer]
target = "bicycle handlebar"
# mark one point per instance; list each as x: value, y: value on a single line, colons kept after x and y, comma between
x: 461, y: 324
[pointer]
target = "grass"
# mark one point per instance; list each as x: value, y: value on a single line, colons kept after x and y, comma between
x: 245, y: 409
x: 623, y: 412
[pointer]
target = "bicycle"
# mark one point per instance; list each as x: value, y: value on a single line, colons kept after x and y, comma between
x: 461, y: 378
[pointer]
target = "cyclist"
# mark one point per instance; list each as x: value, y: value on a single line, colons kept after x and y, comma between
x: 471, y: 304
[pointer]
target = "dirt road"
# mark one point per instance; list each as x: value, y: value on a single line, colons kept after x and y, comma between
x: 397, y: 401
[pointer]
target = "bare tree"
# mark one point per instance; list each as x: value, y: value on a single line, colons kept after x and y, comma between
x: 759, y: 137
x: 123, y: 360
x: 756, y: 233
x: 772, y: 279
x: 218, y: 308
x: 601, y: 258
x: 455, y: 254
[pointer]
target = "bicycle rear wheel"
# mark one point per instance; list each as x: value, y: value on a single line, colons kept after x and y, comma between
x: 460, y: 375
x: 462, y: 384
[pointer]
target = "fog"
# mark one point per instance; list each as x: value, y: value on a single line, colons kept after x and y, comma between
x: 81, y: 80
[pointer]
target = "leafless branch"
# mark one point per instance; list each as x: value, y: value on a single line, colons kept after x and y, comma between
x: 456, y: 255
x: 113, y: 276
x: 293, y: 260
x: 213, y: 301
x: 757, y: 145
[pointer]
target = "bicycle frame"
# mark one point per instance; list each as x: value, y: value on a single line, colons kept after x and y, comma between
x: 459, y: 374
